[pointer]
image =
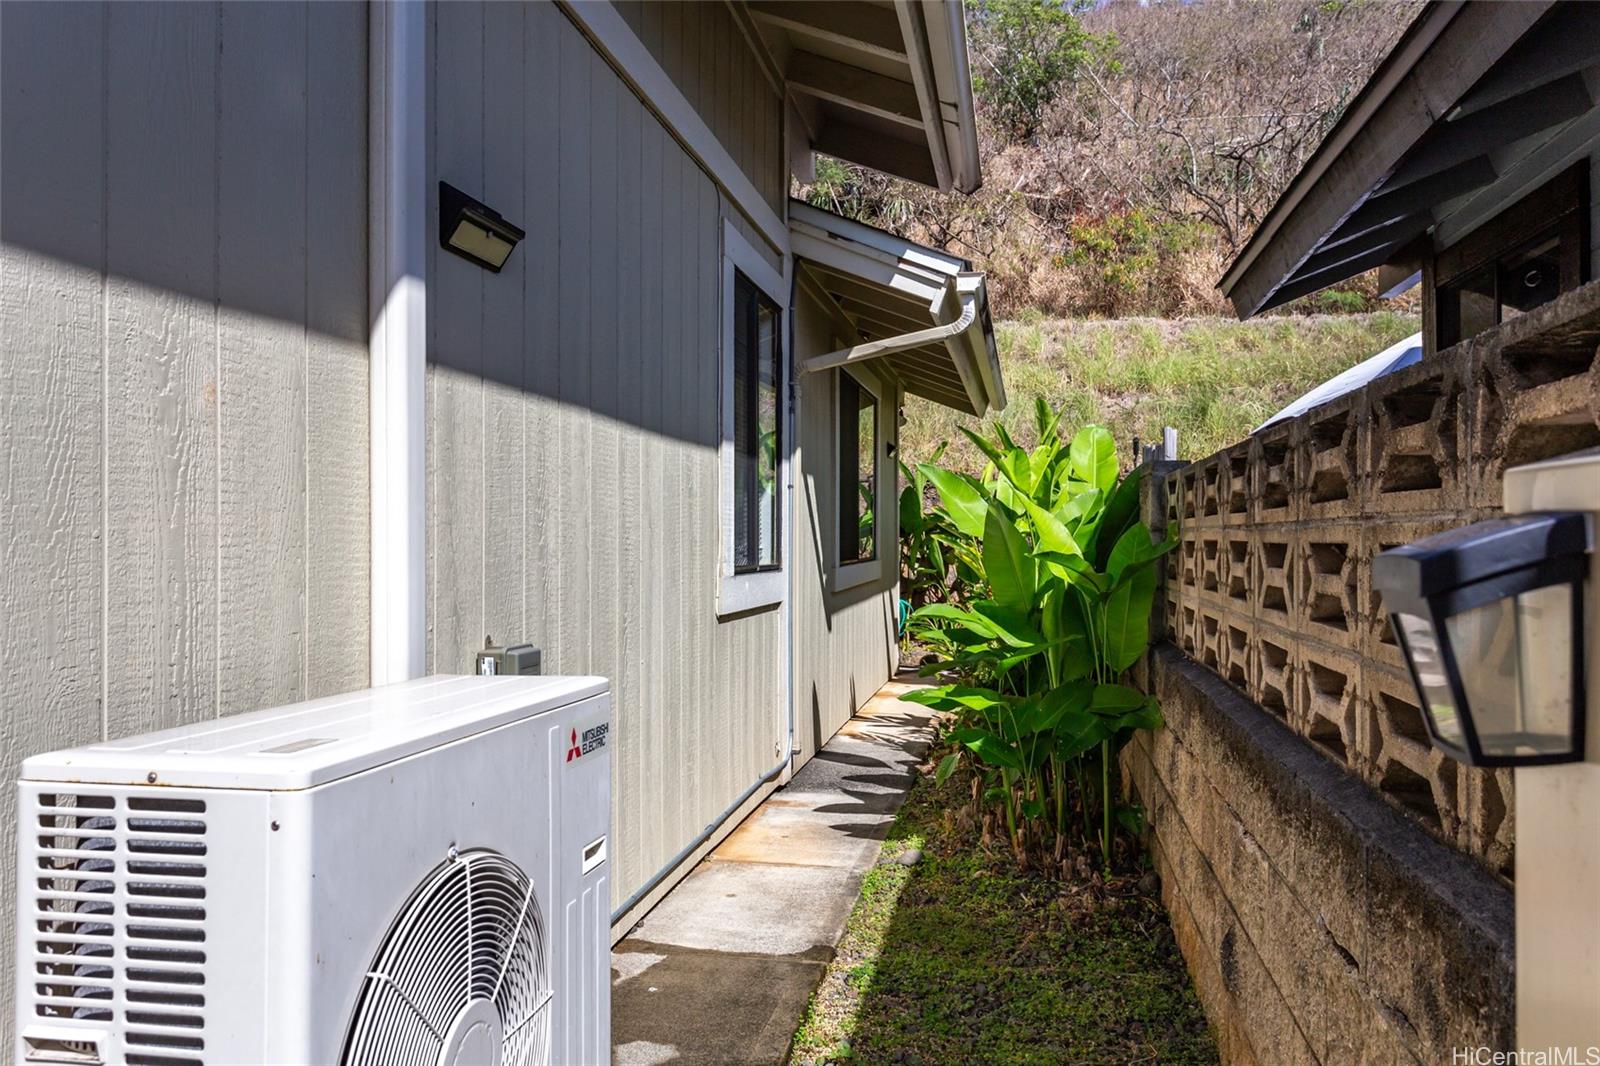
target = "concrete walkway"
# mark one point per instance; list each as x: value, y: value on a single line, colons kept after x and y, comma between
x: 721, y: 970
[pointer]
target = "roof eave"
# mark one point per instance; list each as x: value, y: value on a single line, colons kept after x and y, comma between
x: 884, y: 86
x: 956, y: 73
x: 1442, y: 54
x: 950, y: 298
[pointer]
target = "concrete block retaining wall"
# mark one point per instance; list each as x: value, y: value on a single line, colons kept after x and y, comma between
x: 1340, y: 889
x: 1271, y: 585
x: 1320, y: 925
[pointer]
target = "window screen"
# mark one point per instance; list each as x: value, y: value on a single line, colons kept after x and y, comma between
x: 756, y: 429
x: 858, y: 472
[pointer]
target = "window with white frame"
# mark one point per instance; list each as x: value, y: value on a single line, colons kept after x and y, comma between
x: 858, y: 471
x: 864, y: 523
x: 754, y: 448
x: 757, y: 429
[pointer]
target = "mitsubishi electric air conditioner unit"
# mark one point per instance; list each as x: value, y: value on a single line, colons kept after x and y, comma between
x: 411, y: 874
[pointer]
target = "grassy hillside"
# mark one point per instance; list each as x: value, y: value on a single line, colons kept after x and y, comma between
x: 1213, y: 379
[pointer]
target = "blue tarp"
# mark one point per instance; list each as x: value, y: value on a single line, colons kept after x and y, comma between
x: 1392, y: 358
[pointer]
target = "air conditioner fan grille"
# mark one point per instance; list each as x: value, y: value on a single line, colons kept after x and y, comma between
x: 468, y: 944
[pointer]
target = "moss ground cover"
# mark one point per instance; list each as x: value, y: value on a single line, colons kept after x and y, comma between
x: 963, y: 957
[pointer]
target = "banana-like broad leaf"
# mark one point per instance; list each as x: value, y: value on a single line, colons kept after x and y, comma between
x: 961, y: 617
x: 1061, y: 619
x: 955, y: 698
x: 1006, y: 561
x: 988, y: 747
x: 1045, y: 420
x: 963, y: 500
x: 1049, y: 532
x: 910, y: 510
x: 1115, y: 699
x: 1021, y: 656
x: 1007, y: 495
x: 1064, y: 702
x: 1077, y: 571
x: 1135, y: 548
x: 1068, y: 628
x: 1079, y: 733
x: 947, y: 766
x: 1078, y: 506
x: 1093, y: 457
x: 1000, y: 458
x: 1121, y: 508
x: 1127, y: 618
x: 1146, y: 717
x: 1005, y: 437
x: 1018, y: 469
x: 1010, y: 624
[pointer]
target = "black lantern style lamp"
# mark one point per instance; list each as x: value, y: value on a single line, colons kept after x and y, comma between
x: 473, y: 230
x: 1490, y: 618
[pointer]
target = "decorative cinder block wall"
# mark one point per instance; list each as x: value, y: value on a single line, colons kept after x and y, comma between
x: 1356, y: 906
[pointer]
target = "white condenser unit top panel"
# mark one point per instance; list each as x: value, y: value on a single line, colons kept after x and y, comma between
x: 310, y: 744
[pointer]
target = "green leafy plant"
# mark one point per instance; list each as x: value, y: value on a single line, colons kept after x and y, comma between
x: 936, y: 563
x: 1059, y: 614
x: 1027, y: 51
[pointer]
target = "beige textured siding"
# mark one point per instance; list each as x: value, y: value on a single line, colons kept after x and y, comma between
x: 183, y: 385
x: 845, y: 646
x: 573, y: 421
x: 710, y: 60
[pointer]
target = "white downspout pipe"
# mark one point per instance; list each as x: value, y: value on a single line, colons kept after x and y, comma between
x: 397, y: 300
x: 902, y: 342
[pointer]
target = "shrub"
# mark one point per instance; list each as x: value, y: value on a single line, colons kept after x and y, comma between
x: 1027, y: 51
x: 1063, y: 576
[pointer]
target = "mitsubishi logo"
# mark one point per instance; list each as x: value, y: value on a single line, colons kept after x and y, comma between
x: 591, y: 740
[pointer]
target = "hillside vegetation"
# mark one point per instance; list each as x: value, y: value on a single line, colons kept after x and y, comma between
x: 1129, y: 148
x: 1213, y: 379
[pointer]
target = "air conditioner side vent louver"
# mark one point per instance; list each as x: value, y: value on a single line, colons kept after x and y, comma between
x: 409, y: 875
x: 118, y: 883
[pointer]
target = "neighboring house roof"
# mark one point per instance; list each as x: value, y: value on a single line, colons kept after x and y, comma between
x: 1397, y: 356
x: 1476, y: 105
x: 883, y: 84
x: 916, y: 314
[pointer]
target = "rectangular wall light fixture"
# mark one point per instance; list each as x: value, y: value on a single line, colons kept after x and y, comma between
x: 474, y: 230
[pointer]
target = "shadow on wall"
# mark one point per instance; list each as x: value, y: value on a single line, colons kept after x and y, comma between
x: 822, y: 548
x: 212, y: 159
x: 215, y: 154
x: 183, y: 236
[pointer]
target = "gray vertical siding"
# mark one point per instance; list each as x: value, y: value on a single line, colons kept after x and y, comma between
x: 845, y: 646
x: 706, y: 55
x: 183, y: 388
x: 573, y: 421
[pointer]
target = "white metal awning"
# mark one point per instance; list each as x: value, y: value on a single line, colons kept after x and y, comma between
x: 918, y: 315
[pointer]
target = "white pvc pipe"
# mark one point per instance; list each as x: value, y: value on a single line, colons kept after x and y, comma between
x: 397, y: 265
x: 860, y: 353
